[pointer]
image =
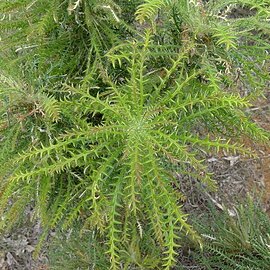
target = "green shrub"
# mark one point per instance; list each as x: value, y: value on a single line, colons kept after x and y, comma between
x: 236, y: 242
x: 106, y: 122
x: 236, y: 47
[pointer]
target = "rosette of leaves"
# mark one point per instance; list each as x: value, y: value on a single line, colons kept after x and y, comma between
x: 112, y: 174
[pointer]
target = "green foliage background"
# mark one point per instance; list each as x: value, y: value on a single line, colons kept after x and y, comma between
x: 103, y: 101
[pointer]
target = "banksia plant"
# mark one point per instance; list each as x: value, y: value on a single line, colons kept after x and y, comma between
x: 117, y: 129
x: 115, y: 171
x: 235, y: 44
x: 43, y: 37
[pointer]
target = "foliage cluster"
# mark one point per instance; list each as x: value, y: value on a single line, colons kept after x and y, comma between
x: 232, y: 239
x: 103, y: 107
x: 236, y: 242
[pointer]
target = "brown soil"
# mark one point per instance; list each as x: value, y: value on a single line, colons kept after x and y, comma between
x: 262, y: 117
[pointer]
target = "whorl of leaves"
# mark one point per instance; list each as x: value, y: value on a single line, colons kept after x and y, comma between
x: 101, y: 114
